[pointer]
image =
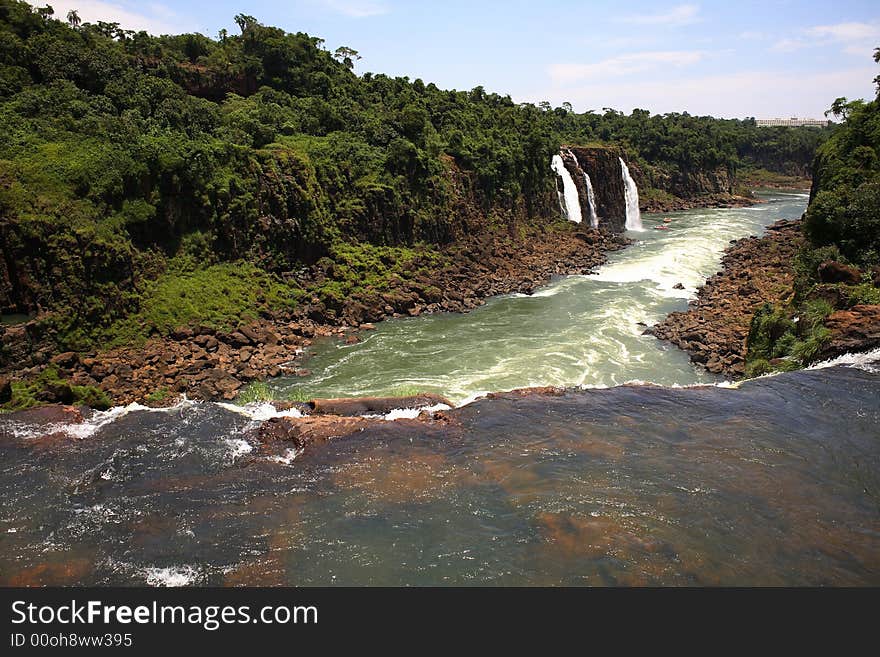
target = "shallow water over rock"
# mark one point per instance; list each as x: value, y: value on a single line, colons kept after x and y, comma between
x: 776, y: 482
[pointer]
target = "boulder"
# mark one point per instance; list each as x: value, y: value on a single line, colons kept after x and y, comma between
x: 374, y: 405
x: 832, y: 271
x: 305, y: 431
x: 251, y: 333
x: 56, y: 393
x: 856, y: 329
x: 5, y: 389
x: 65, y: 359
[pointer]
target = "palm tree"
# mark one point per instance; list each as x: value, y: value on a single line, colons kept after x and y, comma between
x: 73, y: 18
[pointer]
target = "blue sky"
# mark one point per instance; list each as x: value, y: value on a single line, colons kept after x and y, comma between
x: 748, y: 58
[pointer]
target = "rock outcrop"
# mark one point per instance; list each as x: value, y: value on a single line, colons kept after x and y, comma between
x: 714, y: 328
x: 856, y: 329
x: 602, y: 164
x: 832, y: 271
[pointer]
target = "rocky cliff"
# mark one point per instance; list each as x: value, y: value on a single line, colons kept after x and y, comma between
x: 661, y: 189
x: 602, y: 164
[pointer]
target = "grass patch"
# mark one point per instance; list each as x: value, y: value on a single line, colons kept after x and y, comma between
x: 865, y: 293
x: 158, y: 395
x: 256, y: 391
x: 221, y: 296
x: 759, y: 177
x: 363, y: 268
x: 27, y: 394
x: 779, y: 342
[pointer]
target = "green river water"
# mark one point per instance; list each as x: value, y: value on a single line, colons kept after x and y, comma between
x: 578, y: 330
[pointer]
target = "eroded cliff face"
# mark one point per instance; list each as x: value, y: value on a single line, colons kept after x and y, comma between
x: 689, y: 184
x: 660, y: 189
x: 602, y: 164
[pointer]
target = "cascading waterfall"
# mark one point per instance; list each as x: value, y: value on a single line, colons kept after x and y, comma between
x: 631, y: 193
x: 572, y: 204
x: 591, y: 197
x: 591, y: 200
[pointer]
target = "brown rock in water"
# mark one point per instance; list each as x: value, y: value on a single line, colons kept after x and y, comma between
x: 832, y: 271
x: 282, y: 405
x: 355, y: 406
x: 44, y: 416
x: 552, y: 391
x: 304, y: 431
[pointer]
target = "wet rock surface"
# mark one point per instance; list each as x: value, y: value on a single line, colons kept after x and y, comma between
x: 355, y: 406
x: 714, y: 328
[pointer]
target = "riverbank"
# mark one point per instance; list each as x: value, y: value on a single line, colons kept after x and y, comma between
x: 715, y: 327
x: 668, y: 203
x: 204, y: 363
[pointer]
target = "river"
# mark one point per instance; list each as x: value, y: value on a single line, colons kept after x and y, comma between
x: 775, y: 481
x: 579, y: 330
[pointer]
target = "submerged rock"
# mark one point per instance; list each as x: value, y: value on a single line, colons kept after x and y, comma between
x: 355, y: 406
x: 304, y: 431
x: 45, y: 415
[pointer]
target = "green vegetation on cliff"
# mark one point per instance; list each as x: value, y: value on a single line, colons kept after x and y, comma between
x: 149, y: 181
x: 838, y: 267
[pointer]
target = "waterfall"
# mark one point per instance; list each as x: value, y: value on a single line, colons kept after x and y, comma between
x: 591, y: 197
x: 631, y: 194
x: 591, y: 200
x: 572, y: 204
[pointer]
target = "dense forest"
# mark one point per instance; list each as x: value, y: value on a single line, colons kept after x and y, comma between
x: 151, y: 181
x: 839, y: 266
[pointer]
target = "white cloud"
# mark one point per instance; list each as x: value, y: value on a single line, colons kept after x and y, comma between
x: 637, y: 62
x: 846, y: 31
x: 789, y: 45
x: 749, y: 93
x: 358, y: 8
x: 677, y: 16
x: 865, y: 51
x: 153, y: 18
x: 856, y: 38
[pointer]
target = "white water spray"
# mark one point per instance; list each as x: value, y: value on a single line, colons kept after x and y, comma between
x: 572, y: 204
x: 591, y: 200
x: 631, y: 193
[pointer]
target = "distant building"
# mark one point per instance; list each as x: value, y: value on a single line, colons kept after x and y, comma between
x: 793, y: 122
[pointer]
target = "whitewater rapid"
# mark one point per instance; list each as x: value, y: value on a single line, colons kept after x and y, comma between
x: 576, y: 331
